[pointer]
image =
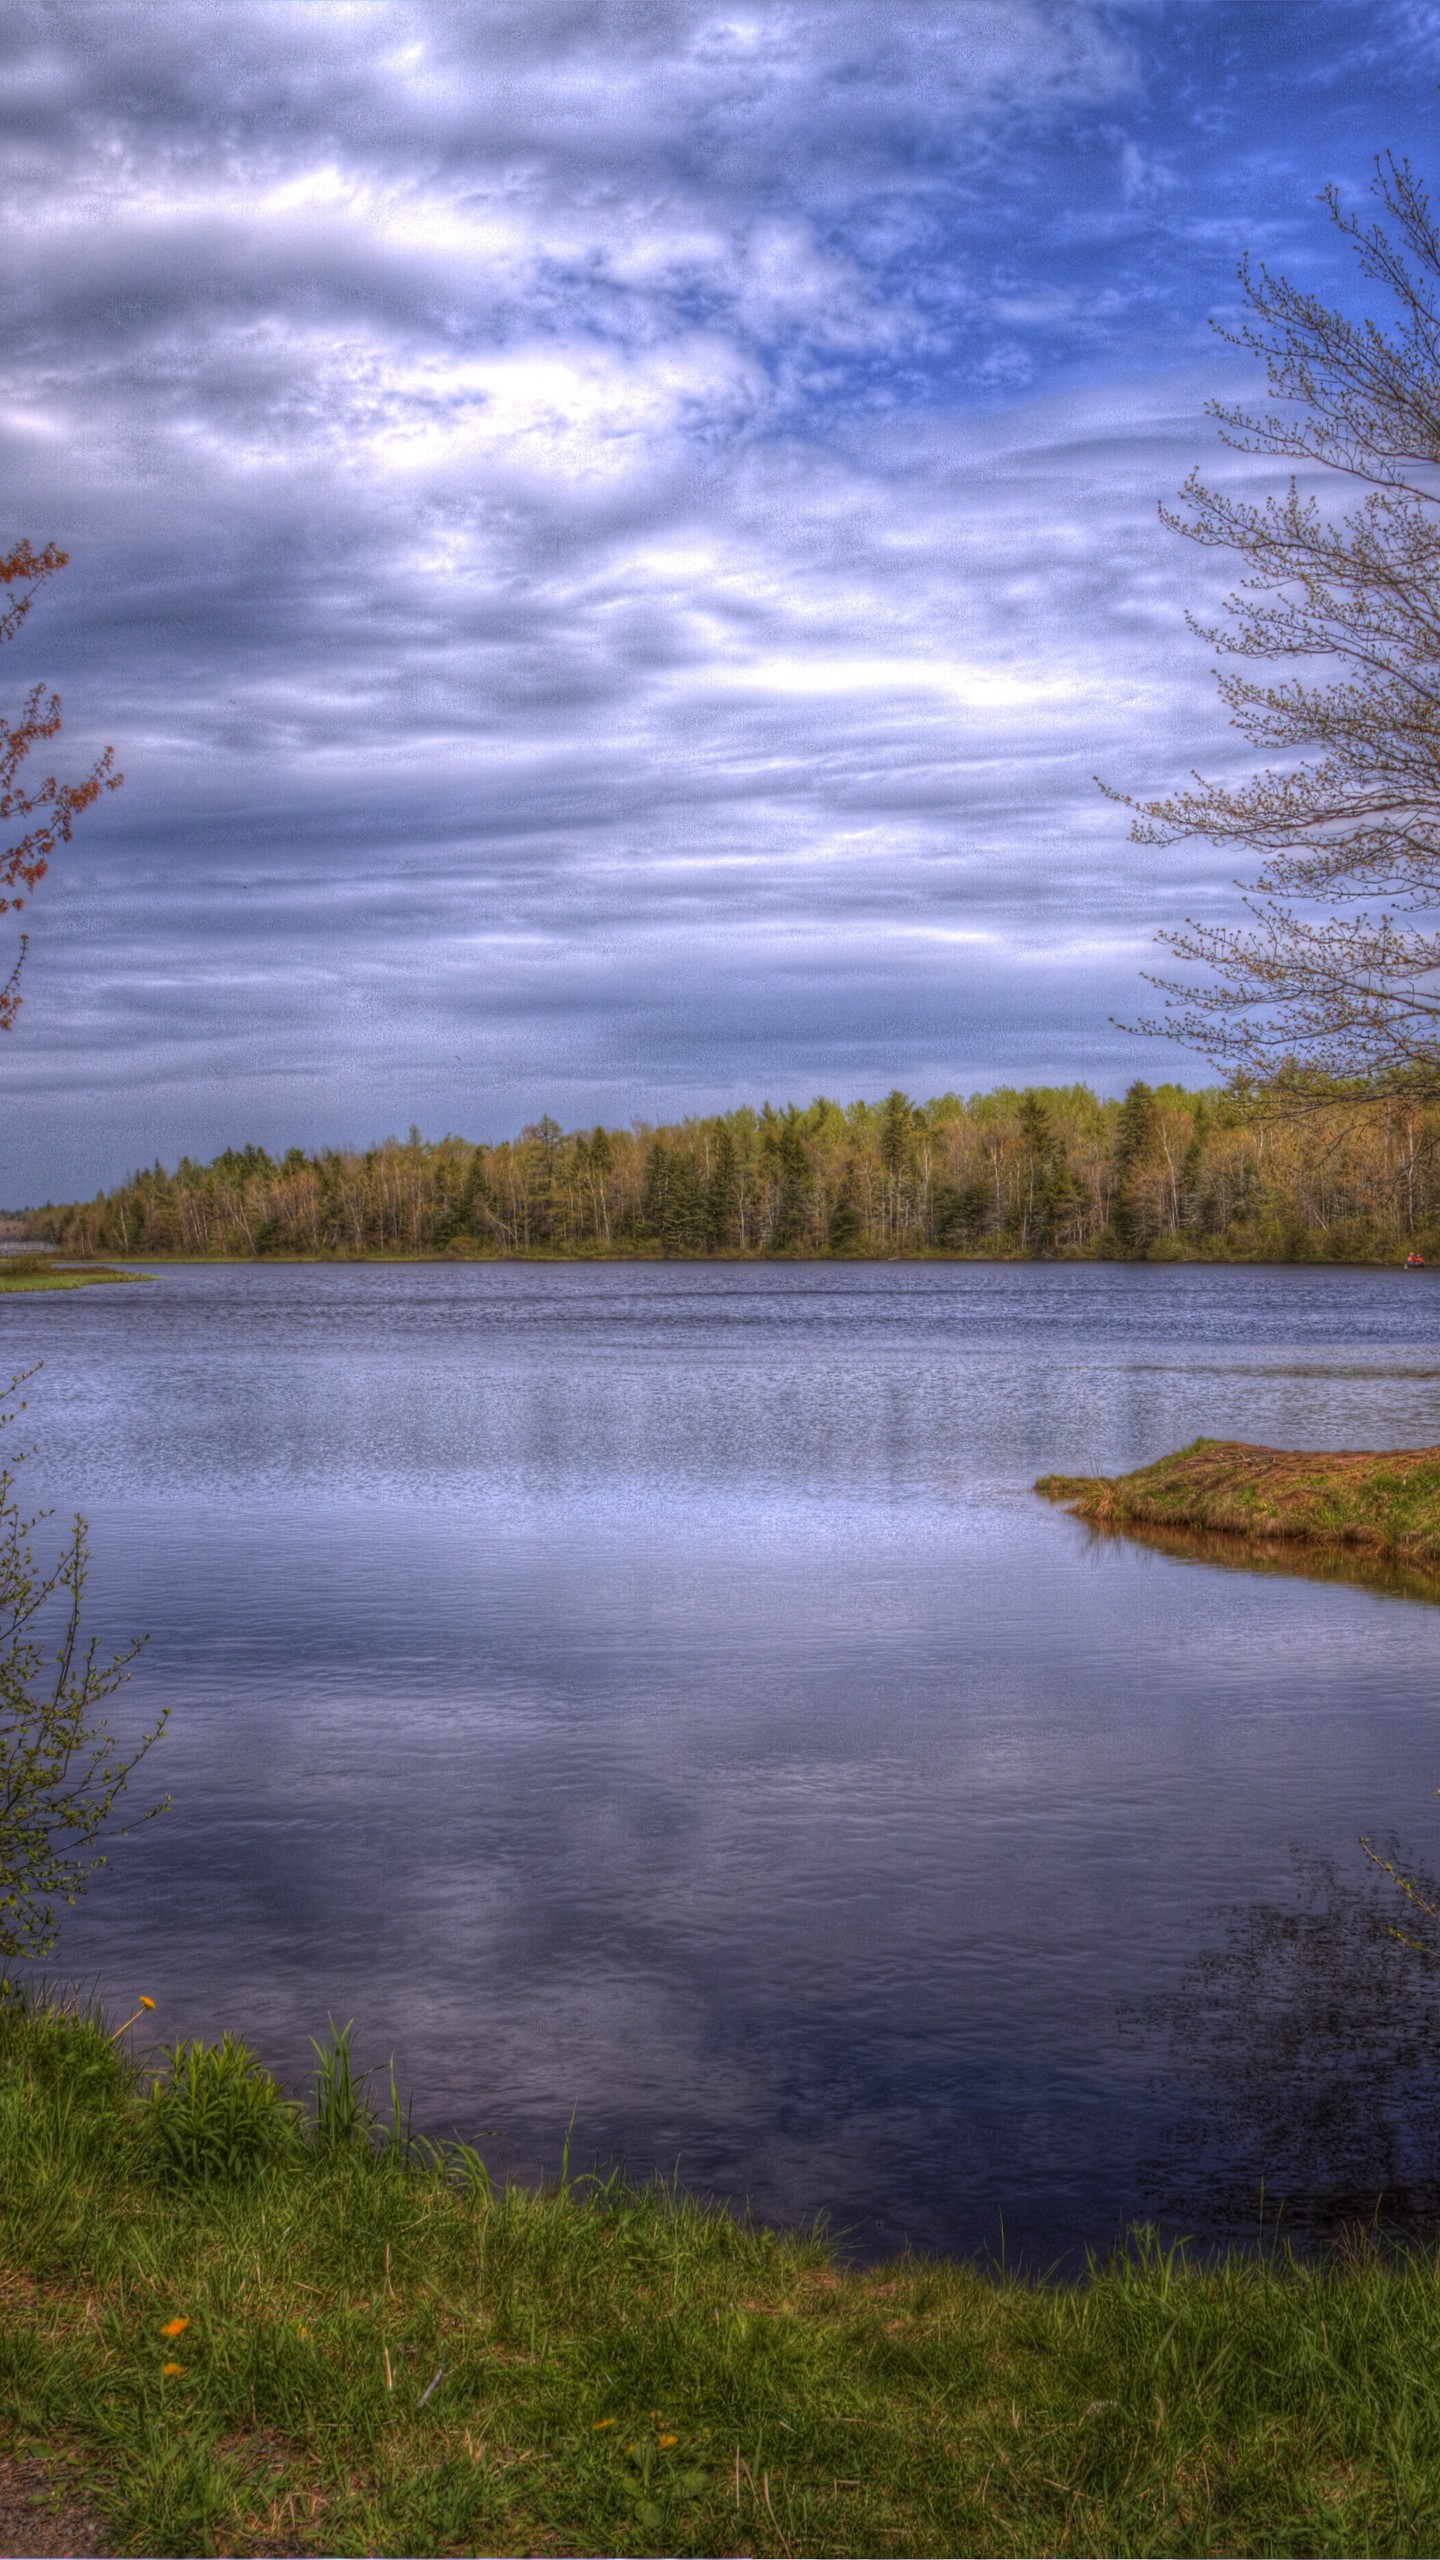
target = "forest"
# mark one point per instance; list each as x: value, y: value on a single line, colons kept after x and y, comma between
x: 1049, y: 1173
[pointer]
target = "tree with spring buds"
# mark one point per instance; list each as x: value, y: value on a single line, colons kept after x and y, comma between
x: 1334, y: 976
x: 62, y: 1771
x: 47, y: 811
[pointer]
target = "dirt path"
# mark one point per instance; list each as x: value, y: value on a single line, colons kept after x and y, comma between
x: 39, y: 2517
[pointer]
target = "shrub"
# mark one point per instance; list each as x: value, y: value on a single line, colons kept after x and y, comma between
x: 217, y: 2113
x: 62, y: 1772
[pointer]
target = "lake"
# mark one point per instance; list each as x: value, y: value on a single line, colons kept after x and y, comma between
x: 654, y: 1693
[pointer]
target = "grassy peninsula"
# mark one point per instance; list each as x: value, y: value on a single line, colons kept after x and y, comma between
x: 225, y: 2326
x: 1048, y: 1173
x: 21, y: 1271
x: 1386, y: 1501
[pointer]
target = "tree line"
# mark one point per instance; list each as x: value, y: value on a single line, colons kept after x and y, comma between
x: 1048, y: 1173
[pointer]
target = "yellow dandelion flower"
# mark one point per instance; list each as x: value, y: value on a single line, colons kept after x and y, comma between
x: 667, y: 2441
x: 170, y: 2370
x: 127, y: 2023
x: 174, y: 2328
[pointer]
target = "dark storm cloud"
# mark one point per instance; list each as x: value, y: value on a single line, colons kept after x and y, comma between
x: 612, y: 542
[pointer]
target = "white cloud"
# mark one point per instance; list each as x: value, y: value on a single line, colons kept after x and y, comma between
x: 520, y: 483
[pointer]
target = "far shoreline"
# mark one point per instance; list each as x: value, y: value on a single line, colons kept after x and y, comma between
x: 123, y: 1262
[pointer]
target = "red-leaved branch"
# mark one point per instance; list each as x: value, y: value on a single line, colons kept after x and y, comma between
x: 47, y: 811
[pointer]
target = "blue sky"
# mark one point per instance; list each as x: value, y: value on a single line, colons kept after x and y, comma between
x: 611, y: 540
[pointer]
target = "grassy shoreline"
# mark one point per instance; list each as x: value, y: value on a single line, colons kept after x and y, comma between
x: 1386, y: 1501
x: 352, y: 2350
x: 22, y: 1272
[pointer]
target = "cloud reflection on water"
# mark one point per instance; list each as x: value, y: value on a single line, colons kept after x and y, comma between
x: 655, y: 1690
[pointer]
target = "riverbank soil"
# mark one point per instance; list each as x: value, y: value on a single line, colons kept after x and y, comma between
x: 1387, y: 1500
x: 345, y: 2343
x: 40, y: 2519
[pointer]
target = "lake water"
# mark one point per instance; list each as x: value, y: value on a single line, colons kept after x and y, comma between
x: 656, y: 1692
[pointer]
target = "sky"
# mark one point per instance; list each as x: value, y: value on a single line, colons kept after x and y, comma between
x: 612, y: 537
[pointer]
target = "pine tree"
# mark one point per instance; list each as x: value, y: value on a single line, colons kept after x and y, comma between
x: 847, y: 1228
x: 1136, y: 1138
x: 794, y: 1187
x: 722, y: 1193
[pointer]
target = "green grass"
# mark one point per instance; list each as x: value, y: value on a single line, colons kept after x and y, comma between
x: 36, y: 1271
x: 381, y: 2353
x: 1386, y: 1501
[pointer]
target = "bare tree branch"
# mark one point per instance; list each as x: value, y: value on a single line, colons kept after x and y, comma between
x: 1349, y: 819
x: 62, y: 1772
x: 51, y: 806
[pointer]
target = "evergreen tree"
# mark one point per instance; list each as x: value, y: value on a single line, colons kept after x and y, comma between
x: 897, y: 1154
x: 657, y: 1190
x: 674, y: 1208
x: 793, y: 1189
x: 897, y: 1134
x: 1136, y: 1138
x: 847, y: 1227
x: 962, y: 1215
x: 722, y: 1193
x: 1052, y: 1195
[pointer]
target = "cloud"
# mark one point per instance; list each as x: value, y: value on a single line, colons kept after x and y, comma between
x: 611, y: 544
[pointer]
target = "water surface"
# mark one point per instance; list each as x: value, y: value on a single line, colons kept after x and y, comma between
x: 655, y: 1691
